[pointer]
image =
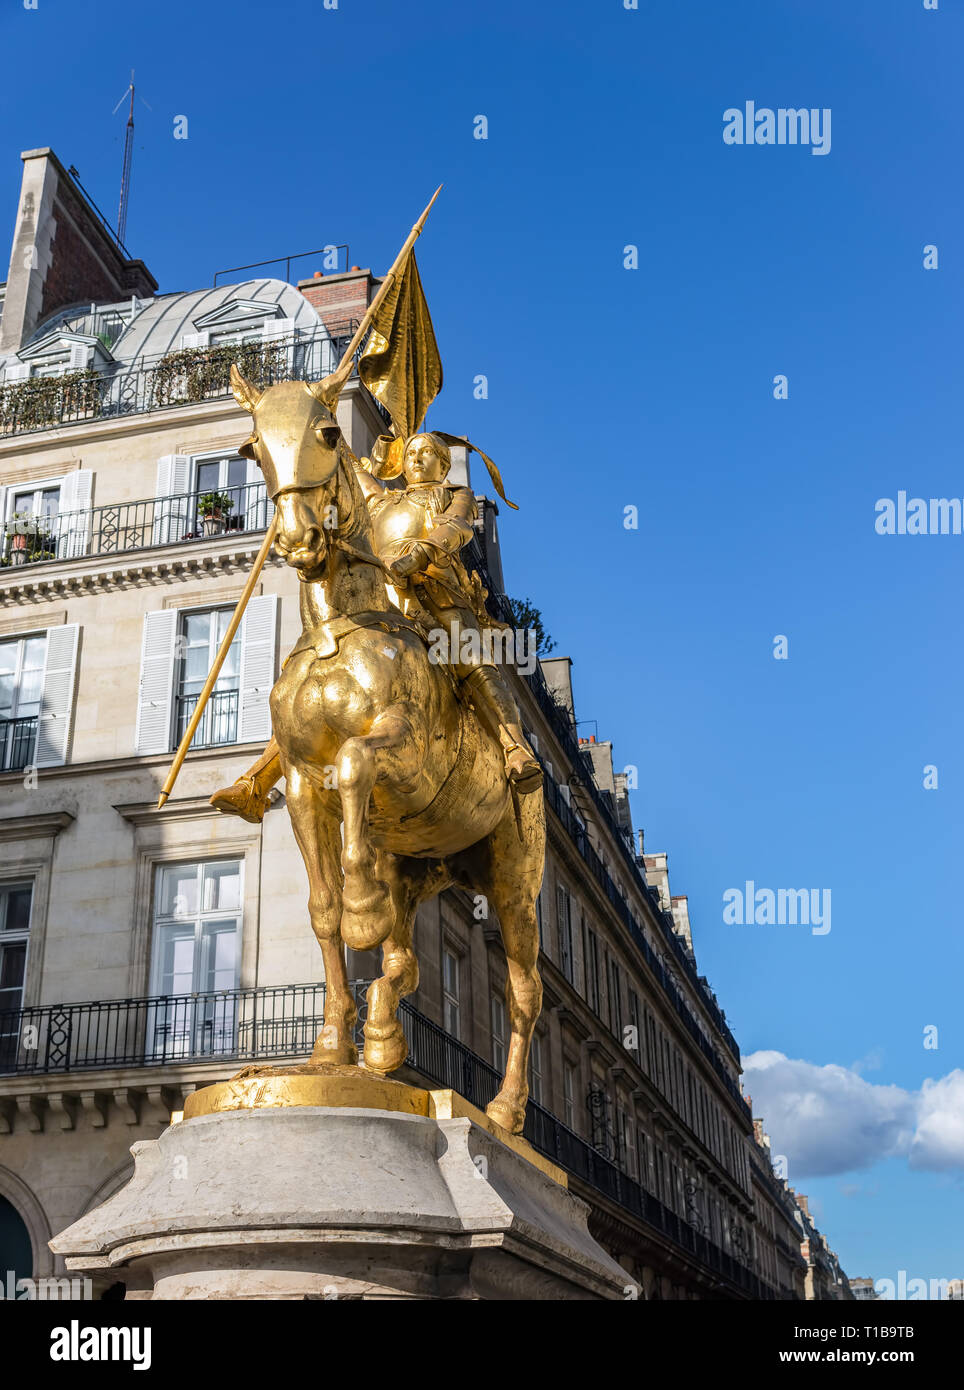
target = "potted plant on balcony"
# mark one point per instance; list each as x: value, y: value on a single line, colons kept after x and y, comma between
x: 21, y: 530
x: 212, y: 508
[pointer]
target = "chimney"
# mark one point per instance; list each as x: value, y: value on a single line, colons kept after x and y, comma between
x: 62, y: 253
x: 341, y: 299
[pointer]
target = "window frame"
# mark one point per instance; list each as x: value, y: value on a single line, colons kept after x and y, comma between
x: 179, y: 694
x: 452, y: 1001
x: 19, y: 937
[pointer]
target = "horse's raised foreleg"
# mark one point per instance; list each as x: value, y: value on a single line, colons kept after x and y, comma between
x: 316, y: 831
x: 387, y: 751
x: 409, y: 881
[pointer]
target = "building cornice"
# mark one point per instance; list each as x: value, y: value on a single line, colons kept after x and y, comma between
x: 134, y: 570
x: 41, y: 827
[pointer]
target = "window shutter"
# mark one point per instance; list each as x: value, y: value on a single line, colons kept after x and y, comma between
x: 156, y: 696
x: 171, y: 519
x: 57, y: 702
x: 79, y: 354
x: 15, y: 371
x: 277, y: 328
x: 73, y: 519
x: 257, y: 667
x: 195, y: 340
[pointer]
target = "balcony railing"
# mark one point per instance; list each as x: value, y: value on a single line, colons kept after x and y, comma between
x: 123, y: 527
x: 18, y: 738
x: 283, y: 1022
x: 219, y: 722
x: 182, y: 377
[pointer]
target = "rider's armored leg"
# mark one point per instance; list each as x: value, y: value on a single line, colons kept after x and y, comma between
x: 248, y: 796
x: 499, y: 710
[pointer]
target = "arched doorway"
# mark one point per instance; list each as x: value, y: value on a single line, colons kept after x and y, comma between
x: 16, y: 1248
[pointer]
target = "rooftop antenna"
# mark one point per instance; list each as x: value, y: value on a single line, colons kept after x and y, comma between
x: 125, y: 188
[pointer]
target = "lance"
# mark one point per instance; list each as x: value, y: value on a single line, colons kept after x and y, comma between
x: 335, y: 382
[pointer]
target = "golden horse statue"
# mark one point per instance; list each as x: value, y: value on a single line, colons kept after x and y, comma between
x: 394, y: 786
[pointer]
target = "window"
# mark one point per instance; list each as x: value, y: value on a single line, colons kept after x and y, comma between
x: 564, y: 920
x: 498, y: 1033
x: 41, y: 502
x: 228, y: 476
x: 201, y: 636
x: 197, y: 935
x: 535, y: 1069
x: 592, y: 970
x: 636, y: 1039
x: 568, y: 1093
x: 450, y: 993
x: 627, y: 1155
x: 15, y: 902
x: 22, y: 662
x: 615, y: 1006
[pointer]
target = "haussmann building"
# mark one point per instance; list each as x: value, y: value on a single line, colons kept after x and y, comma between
x: 144, y: 954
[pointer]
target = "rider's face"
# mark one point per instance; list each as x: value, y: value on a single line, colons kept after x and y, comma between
x: 421, y: 463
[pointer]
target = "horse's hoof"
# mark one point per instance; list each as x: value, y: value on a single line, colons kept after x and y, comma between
x: 510, y: 1116
x: 341, y: 1054
x: 384, y: 1054
x: 366, y: 922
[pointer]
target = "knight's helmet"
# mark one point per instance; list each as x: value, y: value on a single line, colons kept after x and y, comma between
x: 296, y: 439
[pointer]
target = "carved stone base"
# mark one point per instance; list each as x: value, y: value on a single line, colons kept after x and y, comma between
x: 340, y: 1201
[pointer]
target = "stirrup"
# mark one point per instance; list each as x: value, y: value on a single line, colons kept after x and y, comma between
x: 527, y: 777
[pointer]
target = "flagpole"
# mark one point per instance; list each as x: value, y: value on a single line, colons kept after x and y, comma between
x: 337, y: 378
x: 341, y: 375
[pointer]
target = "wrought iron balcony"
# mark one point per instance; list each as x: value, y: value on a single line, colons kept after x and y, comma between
x: 123, y: 527
x: 219, y: 722
x: 283, y: 1022
x: 182, y: 377
x: 18, y: 738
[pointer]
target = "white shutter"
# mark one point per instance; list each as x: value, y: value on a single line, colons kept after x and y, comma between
x: 57, y: 701
x: 277, y: 328
x: 171, y: 518
x: 280, y: 360
x: 16, y: 371
x: 195, y: 340
x: 79, y: 354
x: 257, y: 507
x: 156, y: 695
x: 73, y: 518
x: 257, y: 668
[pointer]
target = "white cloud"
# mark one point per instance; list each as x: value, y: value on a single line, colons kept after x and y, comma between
x: 829, y: 1119
x: 939, y: 1139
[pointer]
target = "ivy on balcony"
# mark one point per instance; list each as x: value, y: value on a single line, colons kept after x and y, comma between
x: 40, y: 402
x: 194, y: 374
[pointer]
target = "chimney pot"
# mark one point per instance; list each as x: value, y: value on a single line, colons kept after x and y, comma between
x: 318, y: 275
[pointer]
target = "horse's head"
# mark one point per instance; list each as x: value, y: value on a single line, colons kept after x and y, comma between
x: 296, y: 442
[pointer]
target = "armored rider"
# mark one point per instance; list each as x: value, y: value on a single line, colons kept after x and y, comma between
x: 419, y: 531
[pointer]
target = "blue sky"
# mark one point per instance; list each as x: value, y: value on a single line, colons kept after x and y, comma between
x: 653, y: 388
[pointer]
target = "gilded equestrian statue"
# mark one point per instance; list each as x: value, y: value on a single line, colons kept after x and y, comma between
x: 397, y: 781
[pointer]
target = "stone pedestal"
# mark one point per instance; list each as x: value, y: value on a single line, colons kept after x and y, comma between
x: 260, y: 1194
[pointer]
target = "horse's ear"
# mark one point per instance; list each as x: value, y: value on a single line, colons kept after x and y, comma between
x: 327, y: 391
x: 246, y: 395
